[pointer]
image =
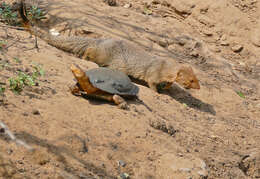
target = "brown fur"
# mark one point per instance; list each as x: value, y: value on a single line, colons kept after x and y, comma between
x: 123, y: 56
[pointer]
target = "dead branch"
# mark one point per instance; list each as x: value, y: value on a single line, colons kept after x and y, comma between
x: 4, y: 129
x: 12, y: 27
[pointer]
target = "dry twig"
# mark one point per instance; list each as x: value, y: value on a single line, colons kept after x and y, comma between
x: 4, y: 129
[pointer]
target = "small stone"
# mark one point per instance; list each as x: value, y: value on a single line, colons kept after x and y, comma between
x: 237, y: 48
x: 25, y: 114
x: 9, y: 151
x: 194, y: 54
x: 224, y: 43
x: 2, y: 130
x: 121, y: 163
x: 203, y: 173
x: 156, y: 2
x: 123, y: 176
x: 127, y: 5
x: 118, y: 134
x: 54, y: 32
x: 36, y: 112
x: 223, y: 40
x: 196, y: 150
x: 110, y: 2
x: 207, y: 32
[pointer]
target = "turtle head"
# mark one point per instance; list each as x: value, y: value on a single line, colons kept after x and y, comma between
x: 77, y: 71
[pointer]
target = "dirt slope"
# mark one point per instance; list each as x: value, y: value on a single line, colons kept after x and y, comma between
x: 210, y: 133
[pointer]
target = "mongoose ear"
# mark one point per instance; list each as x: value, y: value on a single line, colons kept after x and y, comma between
x: 179, y: 73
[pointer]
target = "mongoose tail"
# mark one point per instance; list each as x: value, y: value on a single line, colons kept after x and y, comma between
x: 74, y: 45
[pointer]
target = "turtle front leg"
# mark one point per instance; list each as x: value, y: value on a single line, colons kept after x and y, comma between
x: 120, y: 102
x: 75, y: 90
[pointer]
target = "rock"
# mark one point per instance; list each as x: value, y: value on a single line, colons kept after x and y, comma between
x: 224, y: 43
x: 36, y: 112
x: 127, y: 5
x: 181, y: 8
x: 123, y: 176
x: 111, y: 2
x: 205, y: 20
x: 223, y: 40
x: 237, y: 48
x: 121, y: 163
x: 54, y: 32
x: 207, y: 32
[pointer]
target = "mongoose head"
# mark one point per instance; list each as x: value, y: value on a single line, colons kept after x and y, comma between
x: 187, y: 78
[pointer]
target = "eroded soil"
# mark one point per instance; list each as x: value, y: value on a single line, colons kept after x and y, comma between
x: 210, y: 133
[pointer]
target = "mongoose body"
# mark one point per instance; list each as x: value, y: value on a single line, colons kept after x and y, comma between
x: 123, y: 56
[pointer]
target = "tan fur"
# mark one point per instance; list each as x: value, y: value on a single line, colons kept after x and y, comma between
x: 123, y: 56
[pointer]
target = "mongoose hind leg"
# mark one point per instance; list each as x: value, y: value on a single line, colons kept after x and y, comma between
x: 120, y: 102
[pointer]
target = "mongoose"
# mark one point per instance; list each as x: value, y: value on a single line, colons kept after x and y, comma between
x: 120, y: 55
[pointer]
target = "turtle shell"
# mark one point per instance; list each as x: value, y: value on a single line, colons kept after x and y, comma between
x: 112, y: 81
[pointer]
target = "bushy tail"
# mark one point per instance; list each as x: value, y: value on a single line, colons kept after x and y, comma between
x: 27, y: 24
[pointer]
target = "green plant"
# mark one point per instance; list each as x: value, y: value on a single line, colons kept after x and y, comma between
x: 240, y: 94
x: 38, y: 70
x: 17, y: 60
x: 2, y: 44
x: 17, y: 84
x: 7, y: 15
x: 2, y: 90
x: 3, y: 65
x: 35, y: 14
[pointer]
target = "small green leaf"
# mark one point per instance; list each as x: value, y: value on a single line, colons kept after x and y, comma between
x: 147, y: 11
x: 240, y: 94
x: 17, y: 60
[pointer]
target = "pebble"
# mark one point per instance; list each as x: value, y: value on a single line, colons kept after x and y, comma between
x: 54, y: 32
x: 224, y: 43
x: 207, y: 32
x: 123, y: 176
x: 223, y: 40
x: 237, y: 48
x: 36, y: 112
x: 111, y: 2
x: 121, y: 163
x: 127, y: 5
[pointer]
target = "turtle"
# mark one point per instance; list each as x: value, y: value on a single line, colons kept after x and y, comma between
x: 104, y: 83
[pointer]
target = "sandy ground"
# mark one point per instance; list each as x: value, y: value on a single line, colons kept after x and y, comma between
x: 208, y: 133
